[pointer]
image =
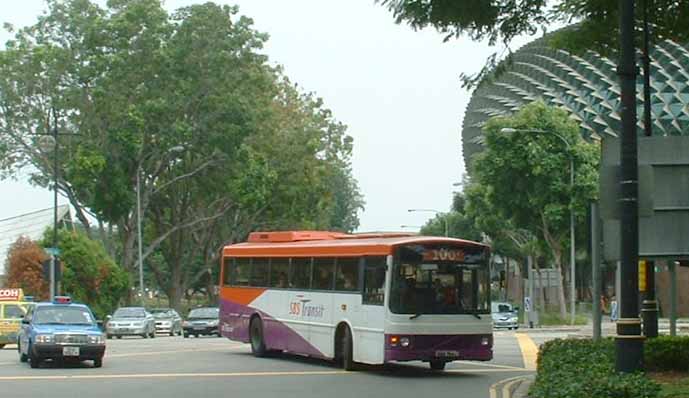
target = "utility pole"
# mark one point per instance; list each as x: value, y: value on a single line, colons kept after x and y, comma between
x: 628, y: 343
x: 595, y: 266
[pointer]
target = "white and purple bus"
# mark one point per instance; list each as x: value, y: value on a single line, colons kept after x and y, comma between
x: 366, y: 298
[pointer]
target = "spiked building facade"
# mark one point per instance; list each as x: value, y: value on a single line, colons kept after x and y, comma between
x: 586, y: 86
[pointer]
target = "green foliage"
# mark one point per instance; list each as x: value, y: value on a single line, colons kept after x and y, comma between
x: 578, y: 368
x: 597, y: 22
x: 524, y: 178
x: 460, y: 224
x: 89, y: 275
x: 554, y: 319
x: 667, y: 353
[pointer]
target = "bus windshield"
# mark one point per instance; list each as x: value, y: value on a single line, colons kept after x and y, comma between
x: 440, y: 280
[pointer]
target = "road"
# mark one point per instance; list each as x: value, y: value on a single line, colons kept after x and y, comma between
x: 176, y: 367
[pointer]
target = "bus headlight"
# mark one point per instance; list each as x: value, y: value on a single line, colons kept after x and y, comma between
x: 404, y: 341
x: 485, y: 340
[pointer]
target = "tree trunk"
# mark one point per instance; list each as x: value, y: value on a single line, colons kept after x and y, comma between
x: 560, y: 288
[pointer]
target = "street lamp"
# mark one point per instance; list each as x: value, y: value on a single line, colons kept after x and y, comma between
x: 139, y: 170
x: 508, y: 130
x: 433, y: 211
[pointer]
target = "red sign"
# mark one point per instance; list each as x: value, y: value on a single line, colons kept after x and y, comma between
x: 443, y: 255
x: 11, y: 294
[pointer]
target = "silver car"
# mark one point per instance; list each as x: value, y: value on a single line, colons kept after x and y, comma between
x: 167, y: 321
x: 504, y: 315
x: 131, y: 321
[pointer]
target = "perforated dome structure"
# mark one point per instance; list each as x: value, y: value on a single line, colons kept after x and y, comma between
x: 586, y: 86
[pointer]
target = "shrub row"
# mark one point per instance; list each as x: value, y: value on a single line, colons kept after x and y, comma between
x: 576, y: 368
x: 667, y: 353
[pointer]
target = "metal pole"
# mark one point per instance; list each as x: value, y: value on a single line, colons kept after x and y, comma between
x: 530, y: 273
x: 595, y: 266
x: 673, y: 298
x: 649, y: 307
x: 572, y: 259
x: 629, y: 343
x: 53, y: 282
x: 138, y: 225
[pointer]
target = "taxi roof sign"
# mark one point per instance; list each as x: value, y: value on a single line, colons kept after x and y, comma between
x: 12, y: 294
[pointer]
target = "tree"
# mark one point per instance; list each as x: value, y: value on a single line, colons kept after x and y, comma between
x: 526, y: 175
x: 501, y: 21
x: 89, y: 275
x: 25, y: 270
x: 182, y: 108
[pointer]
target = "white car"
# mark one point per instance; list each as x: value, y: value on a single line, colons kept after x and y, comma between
x: 504, y: 315
x: 131, y: 321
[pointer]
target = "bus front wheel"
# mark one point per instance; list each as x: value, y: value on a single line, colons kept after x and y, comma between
x: 348, y: 351
x: 438, y: 365
x: 258, y: 346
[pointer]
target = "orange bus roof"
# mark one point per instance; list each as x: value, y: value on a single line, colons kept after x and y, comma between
x: 327, y: 244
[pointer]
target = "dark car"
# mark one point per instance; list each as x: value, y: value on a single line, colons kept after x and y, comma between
x: 167, y: 321
x: 60, y: 331
x: 202, y: 322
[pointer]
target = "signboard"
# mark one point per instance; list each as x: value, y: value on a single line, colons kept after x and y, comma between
x: 11, y: 294
x: 663, y: 197
x: 642, y: 276
x: 543, y: 278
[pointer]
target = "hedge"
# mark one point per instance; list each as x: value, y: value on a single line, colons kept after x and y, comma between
x: 578, y: 368
x: 667, y: 353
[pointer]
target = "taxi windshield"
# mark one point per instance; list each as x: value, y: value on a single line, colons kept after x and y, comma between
x: 62, y: 316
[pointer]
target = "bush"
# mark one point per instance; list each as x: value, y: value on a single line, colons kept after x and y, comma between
x: 579, y: 368
x: 667, y: 353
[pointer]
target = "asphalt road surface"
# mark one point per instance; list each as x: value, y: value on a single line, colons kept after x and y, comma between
x: 172, y: 367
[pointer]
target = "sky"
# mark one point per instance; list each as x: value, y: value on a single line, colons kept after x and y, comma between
x: 397, y: 90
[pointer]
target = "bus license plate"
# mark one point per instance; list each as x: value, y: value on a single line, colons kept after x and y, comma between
x: 70, y: 351
x: 447, y: 354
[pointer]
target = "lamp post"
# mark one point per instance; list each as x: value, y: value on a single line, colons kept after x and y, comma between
x: 572, y: 262
x: 139, y: 170
x: 436, y: 212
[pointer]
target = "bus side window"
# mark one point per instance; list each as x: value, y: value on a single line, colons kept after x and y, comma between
x: 347, y: 274
x: 227, y: 271
x: 323, y: 274
x: 259, y: 272
x: 241, y: 271
x: 374, y: 281
x: 300, y: 273
x: 279, y: 269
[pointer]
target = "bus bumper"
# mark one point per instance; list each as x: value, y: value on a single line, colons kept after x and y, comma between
x: 399, y: 348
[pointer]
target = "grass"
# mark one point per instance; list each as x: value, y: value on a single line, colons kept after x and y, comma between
x: 674, y: 385
x: 554, y: 319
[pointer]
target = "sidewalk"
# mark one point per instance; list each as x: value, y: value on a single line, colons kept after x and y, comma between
x: 608, y: 328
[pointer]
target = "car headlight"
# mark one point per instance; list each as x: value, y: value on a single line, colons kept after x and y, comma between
x: 515, y: 319
x: 45, y: 338
x: 137, y: 324
x: 166, y: 324
x: 96, y: 339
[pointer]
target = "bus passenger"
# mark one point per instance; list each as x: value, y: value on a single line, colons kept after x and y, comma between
x: 282, y: 280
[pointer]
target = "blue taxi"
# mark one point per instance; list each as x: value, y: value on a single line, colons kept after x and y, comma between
x: 59, y: 331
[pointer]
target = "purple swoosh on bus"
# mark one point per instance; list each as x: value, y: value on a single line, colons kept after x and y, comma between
x: 277, y: 335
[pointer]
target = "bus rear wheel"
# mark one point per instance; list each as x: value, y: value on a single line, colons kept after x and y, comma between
x: 258, y: 345
x: 348, y: 351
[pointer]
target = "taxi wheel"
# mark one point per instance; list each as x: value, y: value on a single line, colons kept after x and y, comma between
x: 34, y: 360
x: 98, y: 362
x: 145, y: 335
x: 186, y: 335
x: 153, y: 334
x: 22, y: 357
